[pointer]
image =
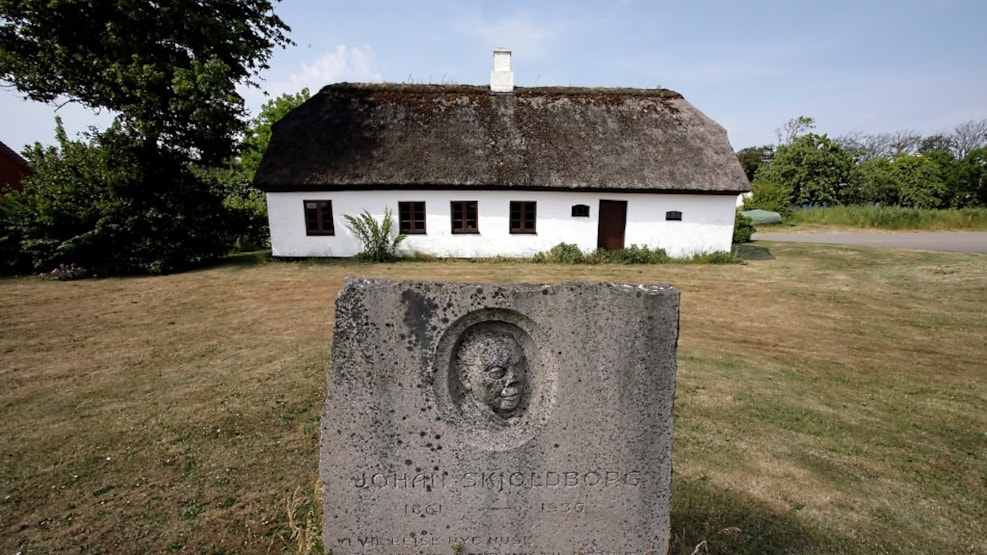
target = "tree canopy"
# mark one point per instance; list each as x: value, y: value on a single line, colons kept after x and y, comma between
x: 169, y: 69
x: 753, y: 157
x: 814, y: 169
x: 149, y: 194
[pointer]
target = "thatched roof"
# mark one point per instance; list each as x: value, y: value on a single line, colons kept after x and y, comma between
x: 382, y: 136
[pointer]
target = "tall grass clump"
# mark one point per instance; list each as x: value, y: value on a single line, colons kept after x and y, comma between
x: 717, y: 257
x: 893, y: 217
x: 378, y: 246
x: 304, y: 523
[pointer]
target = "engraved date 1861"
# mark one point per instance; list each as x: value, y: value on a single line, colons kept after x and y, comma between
x: 423, y: 509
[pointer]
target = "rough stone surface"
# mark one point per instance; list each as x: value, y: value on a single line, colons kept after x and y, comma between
x: 499, y: 419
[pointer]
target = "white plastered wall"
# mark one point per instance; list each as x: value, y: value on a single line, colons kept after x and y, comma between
x: 706, y: 226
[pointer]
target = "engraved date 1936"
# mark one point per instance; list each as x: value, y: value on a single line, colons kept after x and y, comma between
x: 564, y: 508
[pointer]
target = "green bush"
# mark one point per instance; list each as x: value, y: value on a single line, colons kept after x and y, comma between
x: 375, y: 237
x: 15, y: 214
x: 636, y: 255
x: 563, y: 253
x: 743, y: 228
x: 116, y: 204
x: 568, y: 253
x: 598, y: 256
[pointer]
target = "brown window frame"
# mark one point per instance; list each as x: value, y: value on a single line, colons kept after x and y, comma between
x: 315, y: 218
x: 411, y: 217
x: 523, y: 213
x: 466, y: 209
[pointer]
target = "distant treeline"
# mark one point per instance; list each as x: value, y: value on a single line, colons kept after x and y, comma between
x: 889, y: 169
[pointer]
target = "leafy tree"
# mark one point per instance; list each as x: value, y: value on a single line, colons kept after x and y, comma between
x: 919, y: 181
x: 813, y: 168
x: 144, y: 193
x: 753, y: 157
x: 969, y: 186
x: 169, y: 69
x: 114, y: 206
x: 874, y: 184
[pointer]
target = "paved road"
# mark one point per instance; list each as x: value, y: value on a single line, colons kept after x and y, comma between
x: 950, y: 241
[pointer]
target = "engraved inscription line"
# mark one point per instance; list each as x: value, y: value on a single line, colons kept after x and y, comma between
x: 499, y: 480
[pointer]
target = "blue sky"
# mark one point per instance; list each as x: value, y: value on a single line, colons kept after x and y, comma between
x: 869, y: 66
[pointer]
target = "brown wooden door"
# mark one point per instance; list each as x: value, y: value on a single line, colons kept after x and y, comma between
x: 613, y: 219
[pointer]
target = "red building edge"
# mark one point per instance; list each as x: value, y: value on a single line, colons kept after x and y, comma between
x: 14, y: 169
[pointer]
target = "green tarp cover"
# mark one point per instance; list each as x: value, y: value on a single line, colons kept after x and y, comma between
x: 762, y: 217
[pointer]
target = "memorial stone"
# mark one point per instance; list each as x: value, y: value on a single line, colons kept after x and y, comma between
x: 480, y: 419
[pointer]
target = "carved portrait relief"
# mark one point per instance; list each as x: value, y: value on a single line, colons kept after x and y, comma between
x: 493, y: 371
x: 495, y: 385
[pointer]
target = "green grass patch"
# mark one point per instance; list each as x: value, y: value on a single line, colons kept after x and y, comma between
x: 829, y: 399
x: 892, y: 218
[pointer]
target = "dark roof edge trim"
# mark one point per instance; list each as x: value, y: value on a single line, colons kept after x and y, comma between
x: 14, y: 156
x: 359, y: 188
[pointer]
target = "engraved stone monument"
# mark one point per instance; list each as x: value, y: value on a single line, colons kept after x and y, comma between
x: 499, y: 419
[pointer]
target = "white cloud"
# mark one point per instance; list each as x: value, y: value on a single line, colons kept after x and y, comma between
x: 354, y: 64
x: 344, y: 63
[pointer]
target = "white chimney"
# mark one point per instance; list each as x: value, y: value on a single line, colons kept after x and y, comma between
x: 502, y: 78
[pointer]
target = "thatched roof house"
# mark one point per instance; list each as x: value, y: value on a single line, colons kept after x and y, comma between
x: 544, y: 163
x: 364, y: 136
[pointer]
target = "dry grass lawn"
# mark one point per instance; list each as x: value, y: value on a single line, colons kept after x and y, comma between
x: 829, y: 400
